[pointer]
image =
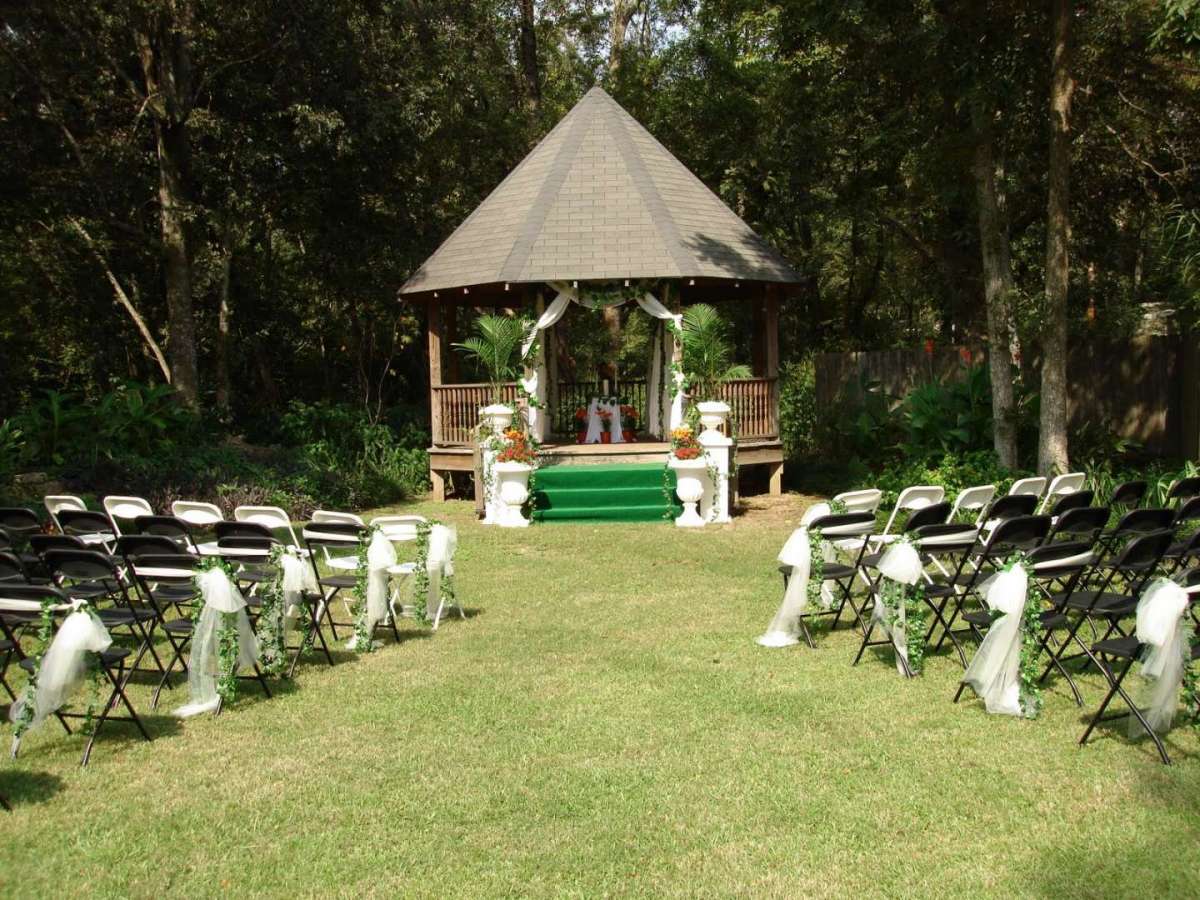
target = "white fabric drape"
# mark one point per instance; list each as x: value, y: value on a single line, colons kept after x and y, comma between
x: 381, y: 556
x: 534, y: 380
x: 995, y: 671
x: 598, y: 426
x: 654, y: 384
x: 220, y: 596
x: 900, y: 563
x: 443, y: 541
x: 784, y: 630
x: 1162, y: 628
x: 298, y: 579
x: 64, y: 666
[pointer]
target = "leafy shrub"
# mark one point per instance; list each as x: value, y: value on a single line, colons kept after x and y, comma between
x: 798, y: 408
x: 953, y: 471
x: 866, y: 429
x: 951, y: 417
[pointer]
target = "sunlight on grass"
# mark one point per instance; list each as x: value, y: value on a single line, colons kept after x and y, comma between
x: 604, y: 723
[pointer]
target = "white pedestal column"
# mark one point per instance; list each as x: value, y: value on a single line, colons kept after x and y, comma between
x: 512, y: 491
x: 714, y: 506
x: 691, y: 484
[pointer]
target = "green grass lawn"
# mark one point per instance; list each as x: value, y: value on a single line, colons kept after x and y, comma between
x: 604, y: 724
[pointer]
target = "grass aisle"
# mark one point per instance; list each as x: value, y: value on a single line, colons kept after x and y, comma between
x: 605, y: 724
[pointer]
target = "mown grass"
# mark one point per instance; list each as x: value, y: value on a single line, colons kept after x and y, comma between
x: 603, y: 724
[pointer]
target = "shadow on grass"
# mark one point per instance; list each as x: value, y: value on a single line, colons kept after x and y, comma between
x: 28, y: 788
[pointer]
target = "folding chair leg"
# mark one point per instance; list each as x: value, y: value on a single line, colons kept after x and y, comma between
x: 118, y: 694
x: 1114, y: 689
x: 165, y: 681
x: 1053, y: 657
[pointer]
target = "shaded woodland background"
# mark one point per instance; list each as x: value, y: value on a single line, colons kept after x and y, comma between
x: 227, y: 195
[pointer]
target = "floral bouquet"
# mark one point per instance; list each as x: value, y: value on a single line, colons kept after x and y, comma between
x: 517, y: 448
x: 629, y: 421
x: 684, y: 444
x: 606, y: 426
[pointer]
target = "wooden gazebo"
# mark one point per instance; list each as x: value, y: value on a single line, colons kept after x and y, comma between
x: 598, y: 200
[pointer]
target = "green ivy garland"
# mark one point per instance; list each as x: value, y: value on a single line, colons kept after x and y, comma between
x: 28, y: 698
x: 598, y: 295
x: 1033, y: 633
x: 421, y: 576
x: 363, y: 638
x: 272, y: 620
x: 910, y: 598
x: 816, y: 566
x: 227, y: 631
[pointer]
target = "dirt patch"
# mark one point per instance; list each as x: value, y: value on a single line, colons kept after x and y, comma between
x: 774, y: 511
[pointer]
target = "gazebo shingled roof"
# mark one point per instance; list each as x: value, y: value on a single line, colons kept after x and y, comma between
x: 599, y: 199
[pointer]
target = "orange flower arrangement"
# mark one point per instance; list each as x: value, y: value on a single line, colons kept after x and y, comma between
x: 684, y: 444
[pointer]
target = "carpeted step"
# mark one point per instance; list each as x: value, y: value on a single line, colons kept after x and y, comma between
x: 603, y: 493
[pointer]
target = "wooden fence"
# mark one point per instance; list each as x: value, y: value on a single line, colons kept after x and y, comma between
x: 1138, y: 389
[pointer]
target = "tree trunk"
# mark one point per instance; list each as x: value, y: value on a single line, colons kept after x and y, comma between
x: 224, y: 381
x: 997, y: 282
x: 622, y: 15
x: 529, y: 58
x: 166, y: 66
x: 1052, y: 441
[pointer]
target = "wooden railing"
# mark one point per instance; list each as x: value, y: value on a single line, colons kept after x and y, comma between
x: 456, y: 410
x: 455, y: 413
x: 755, y: 403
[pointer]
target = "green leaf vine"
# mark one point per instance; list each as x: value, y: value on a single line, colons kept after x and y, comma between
x: 1191, y: 678
x: 272, y: 620
x: 227, y: 631
x: 1033, y: 633
x: 909, y: 598
x: 421, y: 576
x: 363, y: 638
x: 816, y: 567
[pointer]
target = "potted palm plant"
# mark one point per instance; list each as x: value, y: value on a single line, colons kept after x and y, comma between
x: 708, y: 360
x: 496, y: 347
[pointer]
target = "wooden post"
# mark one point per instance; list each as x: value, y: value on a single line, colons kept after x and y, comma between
x: 434, y: 318
x: 450, y: 328
x: 771, y: 365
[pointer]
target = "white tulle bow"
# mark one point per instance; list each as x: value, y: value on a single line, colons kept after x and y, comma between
x: 221, y: 596
x: 784, y: 630
x: 381, y: 555
x: 995, y: 671
x: 64, y: 665
x: 297, y: 579
x: 439, y: 562
x: 900, y: 563
x: 1162, y: 628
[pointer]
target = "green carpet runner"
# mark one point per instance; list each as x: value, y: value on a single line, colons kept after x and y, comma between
x: 603, y: 493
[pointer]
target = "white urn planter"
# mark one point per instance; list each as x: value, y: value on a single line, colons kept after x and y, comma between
x: 713, y: 414
x: 691, y: 477
x: 511, y: 490
x: 497, y: 417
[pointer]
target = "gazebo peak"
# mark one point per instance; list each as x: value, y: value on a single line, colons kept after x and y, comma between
x: 599, y: 199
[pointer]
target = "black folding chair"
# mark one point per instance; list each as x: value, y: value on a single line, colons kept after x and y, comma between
x: 1186, y: 550
x: 1085, y: 524
x: 1021, y: 533
x: 852, y: 528
x: 1108, y: 592
x: 29, y: 599
x: 336, y: 537
x: 159, y: 596
x: 1115, y: 657
x: 170, y: 527
x: 1136, y: 523
x: 96, y: 577
x: 94, y: 528
x: 1009, y: 506
x: 1076, y: 500
x: 19, y: 523
x: 1128, y: 495
x: 1183, y: 489
x: 937, y: 542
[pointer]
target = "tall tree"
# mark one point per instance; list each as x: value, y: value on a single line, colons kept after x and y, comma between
x: 527, y: 43
x: 1052, y: 435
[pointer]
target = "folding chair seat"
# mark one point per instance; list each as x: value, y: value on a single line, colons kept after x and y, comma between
x: 1033, y: 487
x: 169, y: 527
x: 834, y: 528
x: 862, y: 500
x: 93, y: 528
x: 29, y: 599
x: 972, y: 501
x: 12, y: 568
x: 1128, y: 495
x: 250, y: 556
x: 1061, y: 486
x: 1182, y: 553
x: 125, y: 509
x: 54, y: 503
x: 272, y: 518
